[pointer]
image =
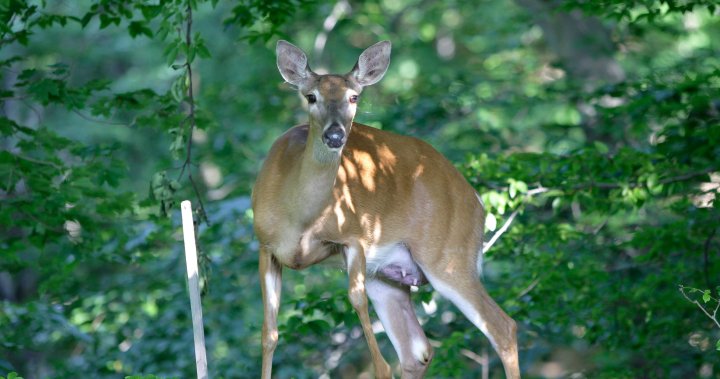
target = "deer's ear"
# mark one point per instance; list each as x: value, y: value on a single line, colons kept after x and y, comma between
x: 372, y: 64
x: 292, y: 63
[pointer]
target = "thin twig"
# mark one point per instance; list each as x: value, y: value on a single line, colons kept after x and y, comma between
x: 191, y: 120
x: 599, y: 227
x: 500, y: 231
x: 201, y: 208
x: 537, y: 191
x: 339, y: 10
x: 479, y: 359
x: 529, y: 288
x: 98, y: 121
x: 712, y: 316
x: 37, y: 161
x: 8, y: 40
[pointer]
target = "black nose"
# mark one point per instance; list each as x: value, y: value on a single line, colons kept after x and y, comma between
x: 334, y: 136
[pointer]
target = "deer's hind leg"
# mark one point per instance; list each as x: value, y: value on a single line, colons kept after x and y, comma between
x: 458, y: 282
x: 397, y: 314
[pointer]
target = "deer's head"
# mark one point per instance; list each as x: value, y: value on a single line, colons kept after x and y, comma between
x: 332, y: 99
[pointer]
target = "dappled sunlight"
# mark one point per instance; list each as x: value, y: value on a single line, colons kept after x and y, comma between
x: 387, y: 160
x: 373, y: 224
x: 366, y: 169
x: 418, y: 171
x: 347, y: 198
x: 709, y: 192
x: 358, y: 283
x: 450, y: 268
x: 211, y: 174
x: 339, y: 214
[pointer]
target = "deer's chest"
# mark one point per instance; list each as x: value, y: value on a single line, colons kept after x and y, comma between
x: 299, y: 245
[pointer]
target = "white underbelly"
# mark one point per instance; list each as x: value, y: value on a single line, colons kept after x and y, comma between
x: 393, y: 262
x: 377, y: 257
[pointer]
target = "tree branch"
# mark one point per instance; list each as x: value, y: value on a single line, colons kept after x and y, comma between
x: 37, y: 161
x: 190, y: 119
x: 341, y: 8
x: 542, y: 189
x: 500, y: 231
x: 98, y: 121
x: 529, y: 288
x: 712, y: 316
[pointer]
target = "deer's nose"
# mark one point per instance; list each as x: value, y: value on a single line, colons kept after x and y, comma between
x: 334, y: 136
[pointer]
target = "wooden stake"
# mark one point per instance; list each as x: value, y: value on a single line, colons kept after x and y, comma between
x: 194, y: 289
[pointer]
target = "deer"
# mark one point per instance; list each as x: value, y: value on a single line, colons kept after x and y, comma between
x: 393, y: 208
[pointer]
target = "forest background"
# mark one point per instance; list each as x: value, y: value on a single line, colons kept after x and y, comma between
x: 590, y: 128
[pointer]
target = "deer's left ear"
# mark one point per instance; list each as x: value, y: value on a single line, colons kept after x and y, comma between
x: 372, y: 64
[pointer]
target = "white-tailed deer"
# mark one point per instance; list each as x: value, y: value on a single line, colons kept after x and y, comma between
x: 395, y: 208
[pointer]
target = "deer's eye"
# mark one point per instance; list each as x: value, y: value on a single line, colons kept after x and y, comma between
x: 311, y: 98
x: 354, y: 99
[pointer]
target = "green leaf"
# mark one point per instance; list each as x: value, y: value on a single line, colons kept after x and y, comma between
x: 59, y: 69
x: 706, y: 296
x: 171, y: 52
x: 137, y: 28
x: 652, y: 180
x: 601, y: 147
x: 27, y: 74
x: 105, y: 20
x: 44, y: 90
x: 202, y: 50
x: 150, y: 11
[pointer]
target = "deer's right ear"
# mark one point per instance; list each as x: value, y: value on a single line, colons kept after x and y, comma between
x: 292, y: 63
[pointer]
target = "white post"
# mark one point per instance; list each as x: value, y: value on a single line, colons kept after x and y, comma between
x: 194, y: 289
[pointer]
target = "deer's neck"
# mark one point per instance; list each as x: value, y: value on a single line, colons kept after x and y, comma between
x: 317, y: 175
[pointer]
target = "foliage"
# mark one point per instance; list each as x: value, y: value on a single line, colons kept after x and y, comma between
x: 640, y: 10
x: 602, y: 190
x: 709, y: 305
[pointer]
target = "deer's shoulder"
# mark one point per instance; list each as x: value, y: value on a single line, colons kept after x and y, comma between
x: 290, y: 143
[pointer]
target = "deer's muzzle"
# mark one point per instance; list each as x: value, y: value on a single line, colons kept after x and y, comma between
x: 334, y: 137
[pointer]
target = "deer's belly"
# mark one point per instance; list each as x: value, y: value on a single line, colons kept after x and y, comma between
x: 391, y: 261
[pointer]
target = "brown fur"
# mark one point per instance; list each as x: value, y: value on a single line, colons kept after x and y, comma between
x: 378, y: 196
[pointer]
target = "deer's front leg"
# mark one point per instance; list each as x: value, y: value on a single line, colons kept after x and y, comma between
x: 270, y: 283
x: 355, y: 257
